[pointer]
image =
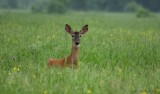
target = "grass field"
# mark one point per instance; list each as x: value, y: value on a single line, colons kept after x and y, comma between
x: 120, y: 54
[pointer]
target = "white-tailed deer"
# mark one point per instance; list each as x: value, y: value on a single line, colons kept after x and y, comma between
x: 73, y: 58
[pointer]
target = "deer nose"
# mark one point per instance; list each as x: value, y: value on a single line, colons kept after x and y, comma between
x: 76, y: 43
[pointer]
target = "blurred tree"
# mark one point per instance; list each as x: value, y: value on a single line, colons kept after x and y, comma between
x: 142, y: 12
x: 56, y: 6
x: 50, y: 6
x: 102, y: 4
x: 60, y: 6
x: 24, y: 4
x: 78, y: 4
x: 3, y: 4
x: 8, y: 4
x: 153, y: 5
x: 38, y: 7
x: 114, y: 5
x: 132, y: 6
x: 13, y: 3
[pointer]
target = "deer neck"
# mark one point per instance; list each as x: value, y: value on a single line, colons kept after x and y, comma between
x: 74, y: 55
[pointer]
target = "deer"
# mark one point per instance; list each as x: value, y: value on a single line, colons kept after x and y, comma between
x: 73, y: 59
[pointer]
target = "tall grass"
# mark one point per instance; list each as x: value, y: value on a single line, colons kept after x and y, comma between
x: 119, y: 54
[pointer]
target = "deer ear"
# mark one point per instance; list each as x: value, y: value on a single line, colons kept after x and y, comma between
x: 84, y: 29
x: 68, y: 29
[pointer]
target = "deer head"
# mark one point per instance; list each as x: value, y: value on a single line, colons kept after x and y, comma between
x: 76, y: 36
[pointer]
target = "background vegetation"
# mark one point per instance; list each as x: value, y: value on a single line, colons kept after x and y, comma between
x: 61, y: 6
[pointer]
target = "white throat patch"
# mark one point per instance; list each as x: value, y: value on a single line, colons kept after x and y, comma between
x: 77, y: 45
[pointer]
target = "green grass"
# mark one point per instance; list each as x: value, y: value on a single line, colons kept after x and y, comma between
x: 120, y: 54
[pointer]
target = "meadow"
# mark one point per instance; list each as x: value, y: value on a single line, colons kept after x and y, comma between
x: 120, y: 54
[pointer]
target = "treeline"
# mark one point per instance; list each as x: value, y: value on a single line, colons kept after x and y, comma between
x: 61, y: 6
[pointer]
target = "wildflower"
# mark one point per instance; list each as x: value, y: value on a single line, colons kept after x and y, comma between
x: 53, y: 36
x: 89, y: 91
x: 80, y: 62
x: 45, y: 92
x: 157, y: 90
x: 9, y: 73
x: 144, y: 92
x: 34, y: 76
x: 18, y: 69
x: 119, y: 70
x: 14, y: 68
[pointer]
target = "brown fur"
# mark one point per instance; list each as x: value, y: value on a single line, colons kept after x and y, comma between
x: 73, y: 58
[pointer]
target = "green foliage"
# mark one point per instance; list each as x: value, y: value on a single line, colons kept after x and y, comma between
x: 60, y: 6
x: 142, y: 12
x: 8, y: 4
x: 38, y: 8
x: 119, y: 54
x: 138, y: 9
x: 132, y: 7
x: 56, y: 6
x: 50, y: 6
